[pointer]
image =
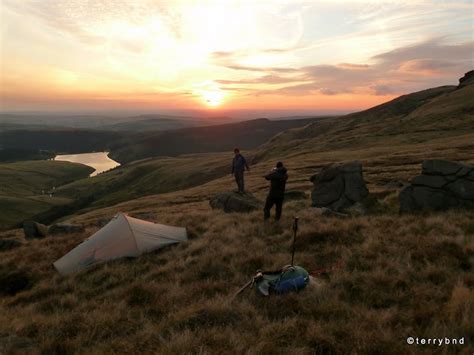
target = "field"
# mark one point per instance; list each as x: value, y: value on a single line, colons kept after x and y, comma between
x: 378, y: 277
x: 24, y: 187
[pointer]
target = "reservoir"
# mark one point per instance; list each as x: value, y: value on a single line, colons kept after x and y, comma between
x: 99, y: 161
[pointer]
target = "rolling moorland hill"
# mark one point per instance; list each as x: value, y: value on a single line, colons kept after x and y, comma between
x: 58, y: 140
x: 148, y: 123
x: 216, y: 138
x: 387, y: 276
x: 102, y: 122
x: 128, y: 141
x: 22, y: 185
x: 422, y: 116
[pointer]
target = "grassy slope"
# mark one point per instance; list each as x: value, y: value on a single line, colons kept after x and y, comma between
x: 149, y: 177
x: 214, y: 138
x: 444, y: 112
x: 398, y: 276
x: 22, y: 183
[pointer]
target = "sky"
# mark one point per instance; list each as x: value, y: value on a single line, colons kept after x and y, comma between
x: 228, y: 55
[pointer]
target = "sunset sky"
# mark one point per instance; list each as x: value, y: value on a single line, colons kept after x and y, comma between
x: 228, y: 55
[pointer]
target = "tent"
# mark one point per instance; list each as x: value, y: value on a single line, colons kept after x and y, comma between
x: 123, y: 236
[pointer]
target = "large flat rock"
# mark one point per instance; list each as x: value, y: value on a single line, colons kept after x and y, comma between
x: 235, y: 202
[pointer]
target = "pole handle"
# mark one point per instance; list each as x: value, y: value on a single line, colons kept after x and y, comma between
x: 295, y: 224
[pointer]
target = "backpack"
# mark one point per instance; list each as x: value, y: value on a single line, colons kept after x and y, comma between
x: 288, y: 279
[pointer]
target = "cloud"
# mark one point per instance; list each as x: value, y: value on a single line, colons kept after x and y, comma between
x: 405, y: 69
x: 382, y: 90
x: 433, y: 50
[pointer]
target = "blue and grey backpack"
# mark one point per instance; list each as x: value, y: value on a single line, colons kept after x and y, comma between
x: 289, y: 279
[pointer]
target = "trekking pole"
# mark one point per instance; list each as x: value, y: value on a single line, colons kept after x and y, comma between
x: 295, y: 229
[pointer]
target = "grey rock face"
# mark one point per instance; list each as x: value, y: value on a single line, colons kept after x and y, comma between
x: 34, y: 230
x: 441, y: 167
x: 339, y: 186
x: 442, y: 185
x: 235, y: 202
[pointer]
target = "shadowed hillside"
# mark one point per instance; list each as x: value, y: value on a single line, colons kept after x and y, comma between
x: 58, y: 140
x: 217, y: 138
x: 25, y: 187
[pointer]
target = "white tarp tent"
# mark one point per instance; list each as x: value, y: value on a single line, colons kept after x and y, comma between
x: 123, y: 236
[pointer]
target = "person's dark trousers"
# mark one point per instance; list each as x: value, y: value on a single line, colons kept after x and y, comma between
x: 273, y: 200
x: 239, y: 179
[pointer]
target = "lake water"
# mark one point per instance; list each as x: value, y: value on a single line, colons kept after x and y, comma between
x: 99, y: 161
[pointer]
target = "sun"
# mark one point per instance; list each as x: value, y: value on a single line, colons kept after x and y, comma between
x: 212, y: 98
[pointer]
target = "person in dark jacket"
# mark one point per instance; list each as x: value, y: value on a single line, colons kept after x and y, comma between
x: 277, y: 178
x: 239, y: 164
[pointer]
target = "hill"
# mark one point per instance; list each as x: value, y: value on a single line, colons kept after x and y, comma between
x: 58, y: 140
x: 216, y: 138
x: 422, y: 116
x: 24, y: 187
x: 144, y: 123
x: 379, y: 277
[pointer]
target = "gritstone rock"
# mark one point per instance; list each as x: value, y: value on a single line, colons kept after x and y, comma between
x: 339, y: 186
x: 442, y: 185
x: 235, y: 202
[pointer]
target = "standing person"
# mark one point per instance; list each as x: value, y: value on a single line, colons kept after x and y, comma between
x: 277, y: 178
x: 239, y: 164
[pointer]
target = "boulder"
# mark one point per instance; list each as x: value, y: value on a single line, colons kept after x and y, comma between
x: 339, y: 186
x: 34, y: 230
x: 295, y: 195
x: 235, y: 202
x: 66, y: 228
x: 442, y: 185
x: 8, y: 244
x: 440, y: 167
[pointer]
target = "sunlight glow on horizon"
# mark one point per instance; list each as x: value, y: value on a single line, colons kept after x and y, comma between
x: 286, y: 54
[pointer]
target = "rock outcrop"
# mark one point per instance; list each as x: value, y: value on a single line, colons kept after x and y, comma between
x: 235, y: 202
x: 467, y: 79
x: 442, y: 185
x: 339, y: 186
x: 34, y: 230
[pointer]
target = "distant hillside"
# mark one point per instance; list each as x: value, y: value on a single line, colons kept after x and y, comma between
x: 157, y: 122
x: 24, y: 187
x: 58, y: 139
x: 142, y: 124
x: 217, y: 138
x: 412, y: 118
x: 19, y: 154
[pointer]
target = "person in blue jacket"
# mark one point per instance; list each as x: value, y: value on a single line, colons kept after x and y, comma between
x: 239, y: 164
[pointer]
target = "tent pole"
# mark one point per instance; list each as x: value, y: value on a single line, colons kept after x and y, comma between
x: 295, y: 229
